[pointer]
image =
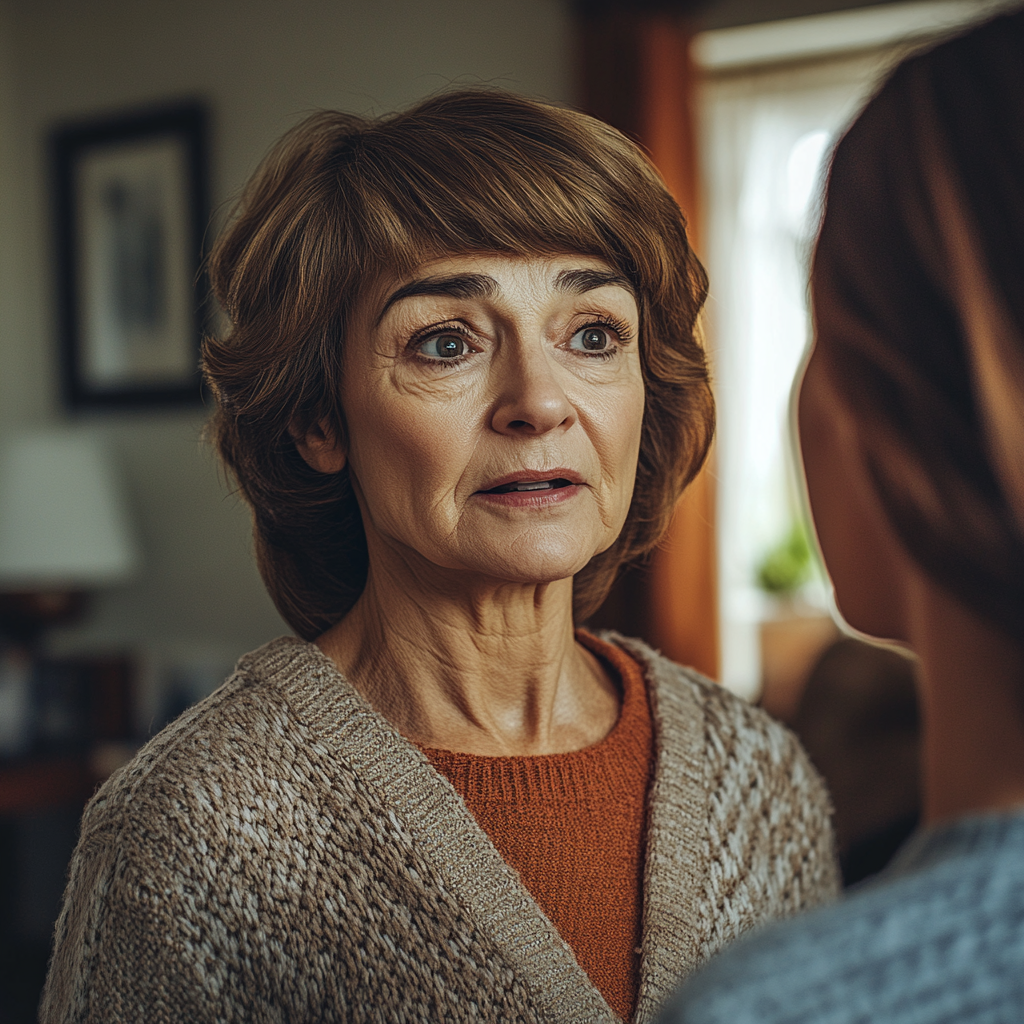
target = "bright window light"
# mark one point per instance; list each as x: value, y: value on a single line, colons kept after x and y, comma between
x: 767, y: 138
x: 803, y: 171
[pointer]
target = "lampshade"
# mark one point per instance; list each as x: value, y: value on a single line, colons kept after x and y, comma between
x: 63, y: 522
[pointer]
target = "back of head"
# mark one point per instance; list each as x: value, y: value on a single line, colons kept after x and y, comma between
x: 919, y: 306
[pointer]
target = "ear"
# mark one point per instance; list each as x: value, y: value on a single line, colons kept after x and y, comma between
x: 320, y: 448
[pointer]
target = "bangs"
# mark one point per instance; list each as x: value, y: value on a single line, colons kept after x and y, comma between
x: 455, y: 181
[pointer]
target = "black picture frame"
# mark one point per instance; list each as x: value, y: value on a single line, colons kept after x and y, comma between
x: 131, y: 211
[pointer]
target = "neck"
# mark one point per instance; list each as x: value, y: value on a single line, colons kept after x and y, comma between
x: 972, y: 696
x: 480, y: 668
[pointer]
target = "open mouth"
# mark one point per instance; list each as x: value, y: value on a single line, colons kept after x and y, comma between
x: 531, y: 485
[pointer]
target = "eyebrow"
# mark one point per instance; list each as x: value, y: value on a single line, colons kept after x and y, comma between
x: 457, y: 286
x: 482, y: 286
x: 576, y: 282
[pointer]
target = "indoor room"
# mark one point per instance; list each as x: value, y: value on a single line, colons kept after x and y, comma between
x: 129, y: 585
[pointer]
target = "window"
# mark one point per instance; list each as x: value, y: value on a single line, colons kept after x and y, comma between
x: 772, y: 104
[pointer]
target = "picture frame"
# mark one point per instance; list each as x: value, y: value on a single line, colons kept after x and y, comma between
x: 131, y: 210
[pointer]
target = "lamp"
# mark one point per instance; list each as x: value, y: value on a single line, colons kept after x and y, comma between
x: 63, y: 529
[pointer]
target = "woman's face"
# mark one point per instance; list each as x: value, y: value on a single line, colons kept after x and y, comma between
x: 494, y: 407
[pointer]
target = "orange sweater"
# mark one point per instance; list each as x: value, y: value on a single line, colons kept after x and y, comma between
x: 572, y: 825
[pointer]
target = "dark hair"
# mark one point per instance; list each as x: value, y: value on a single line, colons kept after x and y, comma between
x: 342, y: 200
x: 919, y: 305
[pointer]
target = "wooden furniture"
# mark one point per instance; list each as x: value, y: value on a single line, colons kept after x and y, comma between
x: 43, y: 783
x: 791, y: 643
x: 98, y: 690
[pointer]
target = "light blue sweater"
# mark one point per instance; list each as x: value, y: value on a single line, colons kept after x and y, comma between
x: 938, y: 937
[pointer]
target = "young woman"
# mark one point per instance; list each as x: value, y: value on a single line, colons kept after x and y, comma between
x: 912, y: 428
x: 460, y: 389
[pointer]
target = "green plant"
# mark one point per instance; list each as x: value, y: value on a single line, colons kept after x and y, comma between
x: 787, y: 565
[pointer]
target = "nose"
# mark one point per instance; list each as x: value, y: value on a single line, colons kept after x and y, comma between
x: 531, y: 398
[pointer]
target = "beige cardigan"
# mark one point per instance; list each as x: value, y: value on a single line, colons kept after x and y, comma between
x: 281, y: 853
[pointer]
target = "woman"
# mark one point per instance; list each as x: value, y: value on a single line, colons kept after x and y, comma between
x: 912, y: 427
x: 461, y: 388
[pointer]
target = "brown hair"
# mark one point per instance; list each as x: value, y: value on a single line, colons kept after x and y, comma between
x: 342, y: 200
x: 919, y: 304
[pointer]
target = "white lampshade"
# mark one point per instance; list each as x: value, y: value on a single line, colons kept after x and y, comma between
x: 62, y: 518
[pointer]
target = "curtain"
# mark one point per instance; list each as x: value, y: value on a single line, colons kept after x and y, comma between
x: 636, y: 73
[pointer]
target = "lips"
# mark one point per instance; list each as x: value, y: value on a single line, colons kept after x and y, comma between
x: 531, y: 483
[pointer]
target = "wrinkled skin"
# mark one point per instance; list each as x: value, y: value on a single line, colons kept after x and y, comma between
x: 476, y: 372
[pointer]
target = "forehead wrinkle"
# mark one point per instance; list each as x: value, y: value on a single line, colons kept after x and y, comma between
x: 456, y: 286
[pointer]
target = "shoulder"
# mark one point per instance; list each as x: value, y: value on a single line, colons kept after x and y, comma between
x: 253, y: 742
x: 768, y: 845
x: 175, y: 847
x: 784, y: 972
x: 928, y: 944
x: 743, y: 746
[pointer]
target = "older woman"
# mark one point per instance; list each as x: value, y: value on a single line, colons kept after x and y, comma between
x: 912, y: 429
x: 461, y: 388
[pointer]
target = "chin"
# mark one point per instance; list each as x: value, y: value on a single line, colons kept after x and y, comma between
x: 541, y: 560
x: 537, y: 572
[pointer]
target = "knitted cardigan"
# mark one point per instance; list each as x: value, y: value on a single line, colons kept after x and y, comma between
x: 282, y: 854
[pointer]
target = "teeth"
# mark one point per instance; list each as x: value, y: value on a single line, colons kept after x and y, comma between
x: 530, y: 485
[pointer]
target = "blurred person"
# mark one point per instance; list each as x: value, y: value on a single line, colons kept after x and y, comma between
x: 858, y: 721
x: 461, y: 388
x: 911, y: 422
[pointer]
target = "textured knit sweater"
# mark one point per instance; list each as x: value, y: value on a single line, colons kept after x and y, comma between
x: 937, y: 938
x: 282, y: 853
x: 572, y: 826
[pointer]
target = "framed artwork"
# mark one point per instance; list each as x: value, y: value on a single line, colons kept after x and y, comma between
x: 131, y: 213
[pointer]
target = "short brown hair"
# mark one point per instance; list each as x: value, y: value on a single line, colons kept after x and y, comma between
x: 342, y: 200
x: 919, y: 304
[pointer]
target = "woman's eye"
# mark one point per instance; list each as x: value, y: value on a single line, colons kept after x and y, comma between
x: 591, y: 339
x: 443, y: 346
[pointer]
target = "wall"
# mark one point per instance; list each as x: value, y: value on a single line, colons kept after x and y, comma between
x: 14, y: 369
x: 261, y: 64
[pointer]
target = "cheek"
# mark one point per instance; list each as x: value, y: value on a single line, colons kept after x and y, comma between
x: 613, y: 419
x: 812, y: 423
x: 405, y: 449
x: 819, y: 448
x: 624, y: 415
x: 861, y: 554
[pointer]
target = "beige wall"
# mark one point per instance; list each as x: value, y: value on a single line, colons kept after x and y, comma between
x: 14, y: 356
x: 261, y: 64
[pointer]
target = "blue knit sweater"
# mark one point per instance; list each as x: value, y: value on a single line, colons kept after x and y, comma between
x: 939, y: 936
